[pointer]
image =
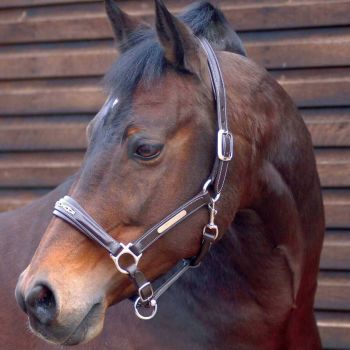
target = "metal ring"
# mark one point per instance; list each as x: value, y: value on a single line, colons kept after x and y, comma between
x: 214, y: 200
x: 125, y: 251
x: 205, y: 190
x: 138, y: 306
x: 206, y: 185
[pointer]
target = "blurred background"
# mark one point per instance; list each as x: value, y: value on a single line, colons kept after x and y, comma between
x: 53, y: 54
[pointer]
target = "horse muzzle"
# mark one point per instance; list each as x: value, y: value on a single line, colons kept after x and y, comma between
x: 50, y: 322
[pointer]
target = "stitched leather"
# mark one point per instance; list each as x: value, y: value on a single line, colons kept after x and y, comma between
x: 219, y: 171
x: 85, y: 224
x: 149, y: 237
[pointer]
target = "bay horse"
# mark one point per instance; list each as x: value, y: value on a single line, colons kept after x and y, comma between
x: 24, y: 227
x: 150, y: 148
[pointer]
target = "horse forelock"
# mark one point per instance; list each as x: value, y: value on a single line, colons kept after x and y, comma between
x: 142, y: 60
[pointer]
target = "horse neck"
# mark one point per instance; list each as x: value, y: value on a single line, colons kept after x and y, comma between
x: 206, y: 290
x: 243, y: 284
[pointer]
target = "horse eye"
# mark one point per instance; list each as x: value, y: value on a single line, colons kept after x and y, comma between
x: 148, y: 151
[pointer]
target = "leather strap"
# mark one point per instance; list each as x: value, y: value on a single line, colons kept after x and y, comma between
x: 225, y: 138
x: 69, y: 210
x: 143, y: 287
x: 179, y: 215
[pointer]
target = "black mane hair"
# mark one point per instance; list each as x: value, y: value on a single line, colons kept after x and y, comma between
x: 144, y: 60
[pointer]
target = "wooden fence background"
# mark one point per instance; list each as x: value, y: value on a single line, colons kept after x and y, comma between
x: 53, y: 53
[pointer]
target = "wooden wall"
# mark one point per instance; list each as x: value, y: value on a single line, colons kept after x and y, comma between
x: 53, y: 53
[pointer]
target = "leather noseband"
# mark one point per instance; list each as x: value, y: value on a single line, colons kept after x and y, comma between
x: 126, y: 256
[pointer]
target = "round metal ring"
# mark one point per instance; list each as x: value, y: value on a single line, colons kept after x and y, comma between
x: 125, y: 251
x: 138, y: 306
x: 206, y: 185
x: 216, y: 198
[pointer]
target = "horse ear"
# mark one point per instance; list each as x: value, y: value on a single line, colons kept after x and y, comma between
x: 123, y: 25
x: 181, y: 49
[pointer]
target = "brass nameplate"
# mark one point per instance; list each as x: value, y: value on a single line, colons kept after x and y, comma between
x: 172, y: 221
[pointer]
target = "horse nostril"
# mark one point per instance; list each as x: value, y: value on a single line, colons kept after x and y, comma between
x: 41, y: 303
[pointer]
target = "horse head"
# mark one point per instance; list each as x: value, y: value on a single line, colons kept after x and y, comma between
x: 151, y: 148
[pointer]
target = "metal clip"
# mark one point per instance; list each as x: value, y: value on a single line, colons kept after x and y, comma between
x: 212, y: 212
x: 212, y: 227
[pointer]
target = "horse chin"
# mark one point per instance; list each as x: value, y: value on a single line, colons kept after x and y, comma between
x: 88, y: 328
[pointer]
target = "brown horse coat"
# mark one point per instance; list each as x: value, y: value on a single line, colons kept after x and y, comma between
x: 256, y: 288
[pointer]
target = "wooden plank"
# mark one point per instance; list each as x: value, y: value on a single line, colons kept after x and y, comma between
x: 334, y: 167
x: 13, y: 199
x: 337, y: 205
x: 318, y: 87
x: 289, y: 49
x: 337, y: 208
x: 51, y: 97
x: 296, y: 49
x: 60, y: 60
x: 333, y: 291
x: 334, y: 329
x: 336, y: 250
x: 328, y: 126
x: 43, y: 133
x: 15, y: 3
x: 290, y: 14
x: 336, y: 214
x: 49, y: 169
x: 57, y: 23
x: 54, y: 23
x: 37, y: 169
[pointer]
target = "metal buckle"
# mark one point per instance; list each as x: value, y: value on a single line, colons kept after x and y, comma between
x: 224, y: 135
x: 139, y: 306
x: 126, y: 250
x: 147, y: 284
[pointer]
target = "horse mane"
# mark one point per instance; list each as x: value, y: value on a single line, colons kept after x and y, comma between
x: 142, y: 58
x: 209, y: 22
